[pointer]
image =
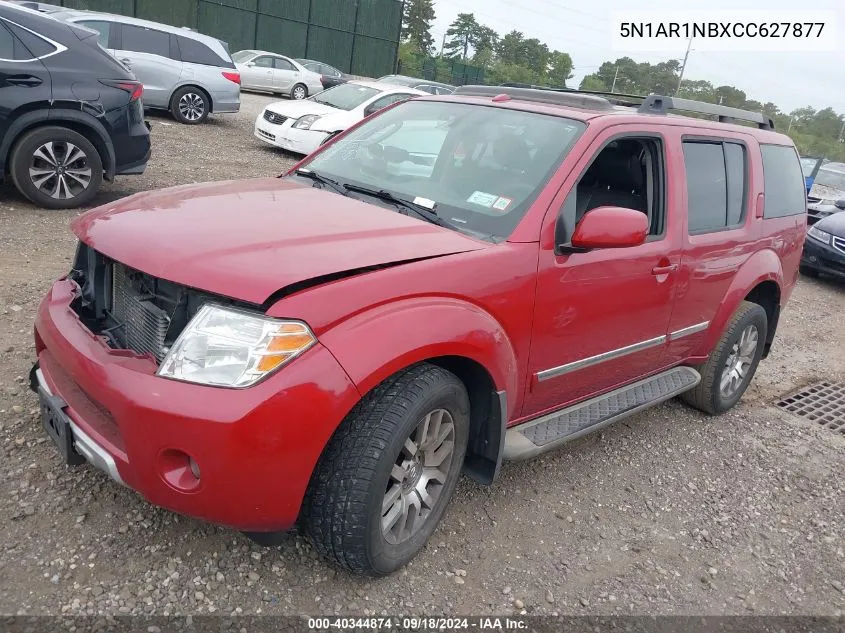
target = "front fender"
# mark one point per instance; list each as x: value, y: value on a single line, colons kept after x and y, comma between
x: 373, y: 345
x: 762, y: 266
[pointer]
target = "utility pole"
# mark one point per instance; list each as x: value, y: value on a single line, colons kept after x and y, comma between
x: 443, y: 45
x: 790, y: 125
x: 683, y: 66
x: 842, y: 133
x: 616, y: 74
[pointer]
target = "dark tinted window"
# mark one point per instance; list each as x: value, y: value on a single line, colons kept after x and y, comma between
x: 782, y: 177
x: 142, y: 40
x: 707, y: 200
x: 735, y: 171
x: 7, y: 43
x: 103, y: 28
x: 36, y: 46
x: 194, y: 52
x: 283, y: 64
x: 265, y: 61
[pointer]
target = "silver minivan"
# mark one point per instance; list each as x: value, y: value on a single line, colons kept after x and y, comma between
x: 183, y: 71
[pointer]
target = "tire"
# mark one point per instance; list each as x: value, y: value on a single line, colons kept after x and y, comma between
x: 299, y: 92
x: 360, y: 470
x: 190, y: 105
x: 807, y: 271
x: 709, y: 396
x: 41, y: 171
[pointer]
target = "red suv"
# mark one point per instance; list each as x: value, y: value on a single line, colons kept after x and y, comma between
x: 453, y: 282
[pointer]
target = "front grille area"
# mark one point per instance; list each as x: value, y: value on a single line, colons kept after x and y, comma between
x: 144, y: 325
x: 272, y: 117
x: 133, y: 310
x: 839, y: 244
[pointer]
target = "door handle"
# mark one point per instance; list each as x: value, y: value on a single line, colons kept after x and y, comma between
x: 664, y: 270
x: 24, y: 80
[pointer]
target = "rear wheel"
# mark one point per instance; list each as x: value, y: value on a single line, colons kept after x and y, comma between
x: 56, y: 168
x: 190, y: 105
x: 299, y: 92
x: 386, y: 476
x: 731, y: 366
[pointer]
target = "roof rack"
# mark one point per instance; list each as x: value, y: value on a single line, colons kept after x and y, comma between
x: 539, y: 95
x: 657, y: 104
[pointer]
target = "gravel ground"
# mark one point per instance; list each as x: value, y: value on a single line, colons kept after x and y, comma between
x: 667, y: 513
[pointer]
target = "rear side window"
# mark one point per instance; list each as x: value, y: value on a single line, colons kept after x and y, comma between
x: 784, y: 182
x: 18, y: 44
x: 716, y: 184
x: 283, y: 64
x: 194, y: 52
x: 143, y: 40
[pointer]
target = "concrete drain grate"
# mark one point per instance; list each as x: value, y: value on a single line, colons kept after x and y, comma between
x: 823, y: 403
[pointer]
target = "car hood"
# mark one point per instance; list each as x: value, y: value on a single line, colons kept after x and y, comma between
x: 833, y: 224
x: 249, y: 239
x: 295, y: 109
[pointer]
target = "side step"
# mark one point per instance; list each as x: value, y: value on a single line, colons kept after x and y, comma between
x: 550, y: 431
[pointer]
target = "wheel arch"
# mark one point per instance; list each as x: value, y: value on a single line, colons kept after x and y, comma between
x: 197, y: 86
x: 466, y: 341
x: 78, y: 121
x: 759, y: 280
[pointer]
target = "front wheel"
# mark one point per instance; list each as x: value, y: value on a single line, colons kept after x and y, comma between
x: 386, y: 476
x: 731, y: 366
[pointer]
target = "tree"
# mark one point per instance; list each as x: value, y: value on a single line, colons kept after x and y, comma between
x: 416, y: 24
x: 461, y: 36
x: 484, y: 42
x: 511, y: 48
x: 592, y: 82
x: 560, y: 69
x: 535, y: 55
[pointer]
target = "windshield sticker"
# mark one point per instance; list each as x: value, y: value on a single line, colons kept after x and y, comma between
x: 502, y: 203
x: 483, y: 199
x: 424, y: 202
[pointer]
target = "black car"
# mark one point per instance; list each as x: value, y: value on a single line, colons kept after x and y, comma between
x: 329, y: 75
x: 70, y: 113
x: 824, y: 248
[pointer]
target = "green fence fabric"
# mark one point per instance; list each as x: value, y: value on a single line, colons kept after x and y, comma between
x: 356, y: 36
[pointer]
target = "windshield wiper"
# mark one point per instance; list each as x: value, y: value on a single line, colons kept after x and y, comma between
x: 326, y: 182
x: 424, y: 212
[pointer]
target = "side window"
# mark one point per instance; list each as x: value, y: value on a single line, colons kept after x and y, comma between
x: 331, y: 71
x: 103, y: 28
x: 17, y: 44
x: 378, y: 104
x: 283, y: 64
x: 144, y: 40
x: 194, y: 52
x: 265, y: 61
x: 627, y: 173
x: 716, y: 185
x: 782, y: 177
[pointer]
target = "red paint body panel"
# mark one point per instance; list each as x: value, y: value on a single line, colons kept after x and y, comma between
x: 517, y: 309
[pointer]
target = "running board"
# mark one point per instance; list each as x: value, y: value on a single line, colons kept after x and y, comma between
x: 550, y: 431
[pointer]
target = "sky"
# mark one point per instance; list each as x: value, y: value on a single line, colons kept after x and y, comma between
x: 584, y: 29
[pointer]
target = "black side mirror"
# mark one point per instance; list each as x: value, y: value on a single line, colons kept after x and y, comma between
x: 840, y: 204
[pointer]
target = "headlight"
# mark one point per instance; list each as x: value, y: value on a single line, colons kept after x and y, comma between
x: 305, y: 122
x: 818, y: 234
x: 227, y: 347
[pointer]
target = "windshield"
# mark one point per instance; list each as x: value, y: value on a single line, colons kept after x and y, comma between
x: 345, y: 96
x: 478, y: 167
x: 831, y: 179
x: 242, y: 56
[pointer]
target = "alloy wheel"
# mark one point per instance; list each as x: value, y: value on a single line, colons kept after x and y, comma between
x: 739, y: 361
x: 60, y: 170
x: 299, y: 93
x: 192, y: 106
x: 418, y: 476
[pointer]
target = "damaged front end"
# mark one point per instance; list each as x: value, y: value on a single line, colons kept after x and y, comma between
x: 132, y: 310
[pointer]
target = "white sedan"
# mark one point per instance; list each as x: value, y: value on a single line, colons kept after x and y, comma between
x: 261, y: 70
x: 302, y: 126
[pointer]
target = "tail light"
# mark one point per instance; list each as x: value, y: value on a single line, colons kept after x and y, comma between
x: 233, y: 77
x: 134, y: 88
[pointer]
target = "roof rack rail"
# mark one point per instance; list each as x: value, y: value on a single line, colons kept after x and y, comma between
x: 539, y: 95
x: 658, y: 104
